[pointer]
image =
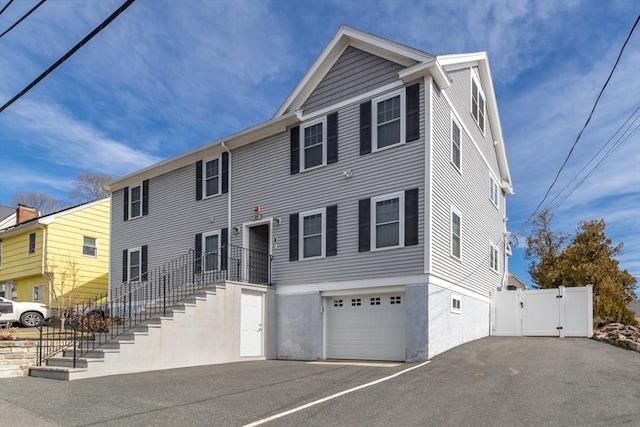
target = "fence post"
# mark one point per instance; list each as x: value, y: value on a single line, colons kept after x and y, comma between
x: 164, y: 293
x: 75, y: 342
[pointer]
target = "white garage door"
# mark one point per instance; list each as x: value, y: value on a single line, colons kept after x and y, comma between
x: 369, y: 327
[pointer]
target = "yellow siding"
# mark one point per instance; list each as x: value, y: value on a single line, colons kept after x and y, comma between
x: 16, y: 260
x: 73, y: 276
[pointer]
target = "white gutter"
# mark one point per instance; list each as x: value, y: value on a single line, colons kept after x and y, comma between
x: 42, y: 262
x: 228, y: 192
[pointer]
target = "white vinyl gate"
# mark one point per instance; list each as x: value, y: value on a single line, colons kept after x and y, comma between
x: 561, y: 312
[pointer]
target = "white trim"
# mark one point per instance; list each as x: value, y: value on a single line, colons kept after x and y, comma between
x: 494, y: 254
x: 139, y: 250
x: 40, y: 288
x: 95, y: 247
x: 494, y: 191
x: 245, y: 241
x: 306, y: 288
x: 428, y: 174
x: 35, y: 243
x: 364, y: 291
x: 475, y: 79
x: 452, y: 211
x: 130, y: 200
x: 374, y: 119
x: 302, y: 149
x: 452, y: 306
x: 401, y: 214
x: 217, y: 233
x: 204, y: 176
x: 454, y: 121
x: 323, y: 235
x: 446, y: 284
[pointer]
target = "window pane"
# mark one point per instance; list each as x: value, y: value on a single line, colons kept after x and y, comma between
x: 312, y: 246
x: 387, y: 235
x: 135, y: 194
x: 135, y: 209
x: 313, y: 156
x: 211, y: 243
x: 212, y: 186
x: 134, y: 265
x: 312, y: 225
x: 313, y: 135
x: 211, y: 169
x: 455, y: 235
x: 389, y: 109
x: 389, y: 134
x: 89, y: 246
x: 387, y: 211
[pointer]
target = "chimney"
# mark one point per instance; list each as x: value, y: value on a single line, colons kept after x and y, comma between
x: 25, y: 213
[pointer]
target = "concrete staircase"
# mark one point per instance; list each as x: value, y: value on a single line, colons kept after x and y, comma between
x: 204, y: 329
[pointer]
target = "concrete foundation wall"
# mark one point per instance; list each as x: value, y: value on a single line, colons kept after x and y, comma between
x: 300, y: 328
x: 448, y: 329
x: 416, y: 322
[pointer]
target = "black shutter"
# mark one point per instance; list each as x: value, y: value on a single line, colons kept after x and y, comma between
x: 332, y: 138
x: 225, y: 173
x: 125, y: 260
x: 143, y: 262
x: 126, y: 203
x: 413, y: 112
x: 293, y: 237
x: 365, y: 127
x: 224, y: 249
x: 199, y: 180
x: 145, y: 197
x: 295, y: 150
x: 332, y: 231
x: 364, y: 225
x: 411, y: 217
x: 197, y: 256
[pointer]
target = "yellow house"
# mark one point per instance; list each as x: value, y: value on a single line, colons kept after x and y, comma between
x: 58, y: 258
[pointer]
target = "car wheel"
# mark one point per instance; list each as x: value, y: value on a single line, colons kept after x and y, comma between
x: 30, y: 319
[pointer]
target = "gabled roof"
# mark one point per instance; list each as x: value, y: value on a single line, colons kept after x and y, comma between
x: 5, y: 212
x: 47, y: 219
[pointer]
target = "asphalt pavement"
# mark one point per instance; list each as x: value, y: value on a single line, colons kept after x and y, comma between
x: 490, y: 382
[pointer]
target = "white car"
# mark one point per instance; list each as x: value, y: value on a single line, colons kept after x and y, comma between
x: 26, y: 313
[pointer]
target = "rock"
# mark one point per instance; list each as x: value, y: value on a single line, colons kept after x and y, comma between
x: 623, y: 336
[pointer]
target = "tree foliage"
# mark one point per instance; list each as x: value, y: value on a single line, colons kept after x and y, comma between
x: 589, y: 259
x: 88, y: 187
x: 41, y: 202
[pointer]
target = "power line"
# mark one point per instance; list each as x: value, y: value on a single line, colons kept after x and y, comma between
x: 66, y: 56
x: 586, y: 123
x: 23, y: 17
x: 5, y: 6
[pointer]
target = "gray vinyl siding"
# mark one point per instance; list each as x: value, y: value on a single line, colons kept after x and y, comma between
x: 468, y: 192
x: 174, y: 218
x: 260, y: 176
x: 354, y: 73
x: 460, y: 95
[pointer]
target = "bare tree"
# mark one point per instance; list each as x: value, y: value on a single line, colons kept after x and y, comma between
x: 88, y: 187
x: 64, y: 279
x: 41, y: 202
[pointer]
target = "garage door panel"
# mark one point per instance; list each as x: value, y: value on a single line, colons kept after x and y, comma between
x: 366, y: 327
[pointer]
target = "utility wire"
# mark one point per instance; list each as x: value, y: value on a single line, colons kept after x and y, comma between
x: 66, y: 56
x: 6, y: 6
x: 585, y: 125
x: 23, y: 17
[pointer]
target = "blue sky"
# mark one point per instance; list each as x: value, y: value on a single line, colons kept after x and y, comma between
x: 168, y: 76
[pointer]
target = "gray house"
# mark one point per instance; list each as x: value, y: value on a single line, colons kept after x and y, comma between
x: 365, y: 220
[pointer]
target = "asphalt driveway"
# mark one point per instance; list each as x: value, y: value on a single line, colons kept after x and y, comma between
x: 489, y: 382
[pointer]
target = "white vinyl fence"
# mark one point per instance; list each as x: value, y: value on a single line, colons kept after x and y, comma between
x: 561, y: 312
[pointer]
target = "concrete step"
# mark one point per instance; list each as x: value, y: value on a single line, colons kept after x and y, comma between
x: 67, y: 362
x: 56, y: 373
x: 97, y: 353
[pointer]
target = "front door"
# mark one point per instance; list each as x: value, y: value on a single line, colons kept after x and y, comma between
x: 258, y: 256
x: 251, y: 330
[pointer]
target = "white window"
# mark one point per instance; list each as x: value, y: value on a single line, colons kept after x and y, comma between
x: 135, y: 264
x: 388, y: 120
x: 456, y: 304
x: 211, y: 245
x: 455, y: 144
x: 493, y: 257
x: 211, y: 173
x: 387, y: 213
x: 477, y: 103
x: 89, y: 246
x: 494, y: 192
x: 32, y: 243
x: 456, y: 234
x: 313, y: 137
x: 38, y: 292
x: 135, y: 201
x: 3, y: 290
x: 313, y: 226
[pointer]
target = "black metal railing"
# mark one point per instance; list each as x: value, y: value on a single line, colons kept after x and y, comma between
x: 89, y: 325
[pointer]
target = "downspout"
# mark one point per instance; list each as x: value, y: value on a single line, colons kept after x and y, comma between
x: 43, y: 261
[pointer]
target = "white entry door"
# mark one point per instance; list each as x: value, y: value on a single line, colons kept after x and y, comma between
x: 369, y: 327
x: 251, y: 324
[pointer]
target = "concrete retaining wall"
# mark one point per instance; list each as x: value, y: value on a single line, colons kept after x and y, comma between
x: 16, y: 357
